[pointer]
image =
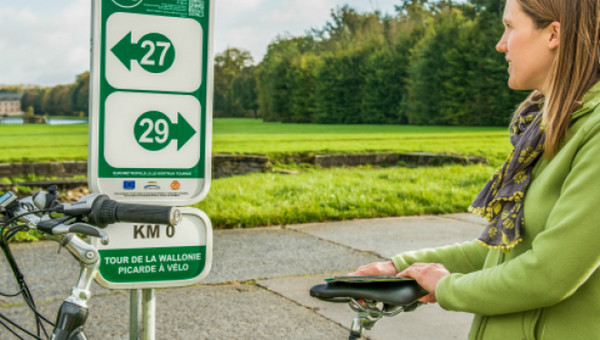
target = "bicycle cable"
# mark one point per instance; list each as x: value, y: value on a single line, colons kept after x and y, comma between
x: 6, y: 233
x: 2, y: 317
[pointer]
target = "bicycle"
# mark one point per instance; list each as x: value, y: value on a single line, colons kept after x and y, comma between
x: 371, y: 297
x: 62, y: 222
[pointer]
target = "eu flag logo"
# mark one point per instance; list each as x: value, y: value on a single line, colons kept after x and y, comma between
x: 128, y: 185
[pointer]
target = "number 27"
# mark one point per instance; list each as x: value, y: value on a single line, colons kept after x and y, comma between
x: 151, y: 47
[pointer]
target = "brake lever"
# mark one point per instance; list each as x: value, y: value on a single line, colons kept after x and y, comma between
x: 82, y: 228
x: 58, y: 227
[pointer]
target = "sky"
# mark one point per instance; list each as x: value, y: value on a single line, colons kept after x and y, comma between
x: 47, y: 42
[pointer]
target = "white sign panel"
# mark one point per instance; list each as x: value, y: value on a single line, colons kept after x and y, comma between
x: 151, y: 100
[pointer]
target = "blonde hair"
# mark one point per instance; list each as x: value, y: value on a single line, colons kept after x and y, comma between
x: 576, y: 68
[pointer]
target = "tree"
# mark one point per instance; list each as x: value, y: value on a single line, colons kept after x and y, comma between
x: 244, y: 89
x: 80, y: 94
x: 340, y: 86
x: 302, y: 77
x: 275, y: 77
x: 385, y: 86
x: 229, y: 65
x: 32, y: 99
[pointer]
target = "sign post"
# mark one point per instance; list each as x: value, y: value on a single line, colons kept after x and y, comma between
x: 151, y: 100
x: 151, y: 95
x: 142, y: 257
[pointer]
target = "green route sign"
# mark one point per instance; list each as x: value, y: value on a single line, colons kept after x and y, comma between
x: 151, y: 100
x: 142, y: 256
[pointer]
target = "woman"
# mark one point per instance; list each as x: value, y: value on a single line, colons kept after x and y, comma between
x: 533, y: 272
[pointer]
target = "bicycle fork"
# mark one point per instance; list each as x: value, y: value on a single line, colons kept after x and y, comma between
x: 74, y: 310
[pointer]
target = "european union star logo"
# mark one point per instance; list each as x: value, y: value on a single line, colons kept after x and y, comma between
x: 128, y: 185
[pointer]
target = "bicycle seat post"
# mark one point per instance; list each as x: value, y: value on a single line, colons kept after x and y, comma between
x: 368, y: 314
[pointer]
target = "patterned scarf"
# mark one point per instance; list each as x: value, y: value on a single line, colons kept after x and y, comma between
x: 501, y: 200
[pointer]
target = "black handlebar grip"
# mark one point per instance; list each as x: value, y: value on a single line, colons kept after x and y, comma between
x: 106, y: 211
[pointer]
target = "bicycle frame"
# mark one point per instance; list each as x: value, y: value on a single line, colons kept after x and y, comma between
x: 74, y: 310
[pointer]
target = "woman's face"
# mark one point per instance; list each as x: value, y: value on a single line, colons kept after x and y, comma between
x: 530, y: 51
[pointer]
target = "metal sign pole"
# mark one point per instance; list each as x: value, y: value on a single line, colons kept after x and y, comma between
x: 142, y: 318
x: 148, y: 314
x: 135, y: 314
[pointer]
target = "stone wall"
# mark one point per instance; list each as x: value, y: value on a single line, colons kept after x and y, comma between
x: 405, y: 159
x: 222, y: 166
x: 229, y: 165
x: 58, y: 169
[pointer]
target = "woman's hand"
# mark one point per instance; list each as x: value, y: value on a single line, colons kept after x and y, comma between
x: 376, y: 268
x: 427, y: 276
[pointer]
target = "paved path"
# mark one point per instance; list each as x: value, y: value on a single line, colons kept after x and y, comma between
x: 259, y: 282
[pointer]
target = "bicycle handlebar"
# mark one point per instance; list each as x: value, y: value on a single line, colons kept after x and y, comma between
x: 106, y: 211
x: 98, y: 210
x: 101, y: 211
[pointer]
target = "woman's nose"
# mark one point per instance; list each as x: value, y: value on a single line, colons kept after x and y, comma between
x: 501, y: 45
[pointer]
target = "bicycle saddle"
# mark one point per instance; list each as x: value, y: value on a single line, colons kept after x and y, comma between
x: 390, y: 290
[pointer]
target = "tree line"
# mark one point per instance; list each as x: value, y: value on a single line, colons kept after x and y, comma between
x: 60, y: 100
x: 432, y: 63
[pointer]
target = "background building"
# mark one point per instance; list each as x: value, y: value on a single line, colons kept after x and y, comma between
x: 10, y: 103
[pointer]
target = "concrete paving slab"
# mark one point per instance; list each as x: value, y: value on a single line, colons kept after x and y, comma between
x: 204, y: 312
x: 468, y: 217
x: 274, y: 252
x: 426, y: 323
x: 387, y: 237
x: 238, y: 255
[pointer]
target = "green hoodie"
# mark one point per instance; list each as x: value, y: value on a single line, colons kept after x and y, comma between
x: 547, y: 287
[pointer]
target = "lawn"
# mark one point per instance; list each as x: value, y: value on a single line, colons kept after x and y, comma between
x: 276, y: 140
x: 34, y: 143
x: 341, y: 194
x: 246, y: 136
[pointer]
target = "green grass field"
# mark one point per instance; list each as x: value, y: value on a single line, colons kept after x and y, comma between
x: 341, y: 194
x: 33, y: 143
x: 276, y: 140
x: 314, y: 194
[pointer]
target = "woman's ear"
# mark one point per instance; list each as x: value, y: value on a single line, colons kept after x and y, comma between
x: 554, y: 30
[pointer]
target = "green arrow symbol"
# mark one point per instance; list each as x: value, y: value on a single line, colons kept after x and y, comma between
x: 182, y: 131
x: 126, y: 51
x: 153, y: 131
x: 154, y: 52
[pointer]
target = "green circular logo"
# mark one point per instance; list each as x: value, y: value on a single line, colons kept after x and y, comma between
x: 158, y: 52
x: 127, y: 3
x: 152, y: 130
